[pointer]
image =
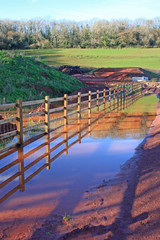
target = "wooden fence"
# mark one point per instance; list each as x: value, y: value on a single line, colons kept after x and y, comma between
x: 44, y: 158
x: 113, y: 99
x: 21, y: 165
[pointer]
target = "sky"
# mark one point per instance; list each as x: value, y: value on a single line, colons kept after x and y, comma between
x: 79, y: 10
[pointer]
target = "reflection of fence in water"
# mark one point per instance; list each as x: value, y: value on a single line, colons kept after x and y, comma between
x: 83, y: 128
x: 113, y: 99
x: 118, y: 123
x: 122, y: 125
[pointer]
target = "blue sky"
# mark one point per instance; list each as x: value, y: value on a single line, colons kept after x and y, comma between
x: 79, y: 10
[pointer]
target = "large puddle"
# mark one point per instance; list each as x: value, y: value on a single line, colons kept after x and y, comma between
x: 52, y: 176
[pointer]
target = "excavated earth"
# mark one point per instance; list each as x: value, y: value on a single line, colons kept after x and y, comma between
x: 105, y: 75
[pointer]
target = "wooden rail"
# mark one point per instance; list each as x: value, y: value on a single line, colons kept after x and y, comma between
x: 113, y: 99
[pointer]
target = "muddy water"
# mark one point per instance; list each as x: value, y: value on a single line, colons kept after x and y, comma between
x: 52, y: 178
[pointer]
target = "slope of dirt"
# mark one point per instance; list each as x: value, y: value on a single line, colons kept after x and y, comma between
x: 119, y: 74
x: 105, y: 75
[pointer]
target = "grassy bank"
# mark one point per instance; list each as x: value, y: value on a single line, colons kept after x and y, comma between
x: 97, y: 58
x: 26, y: 78
x: 146, y: 104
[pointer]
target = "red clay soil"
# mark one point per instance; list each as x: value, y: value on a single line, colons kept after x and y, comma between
x: 103, y: 75
x: 119, y: 74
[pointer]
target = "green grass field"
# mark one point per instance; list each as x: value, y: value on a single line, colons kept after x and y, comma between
x: 146, y: 104
x: 97, y: 58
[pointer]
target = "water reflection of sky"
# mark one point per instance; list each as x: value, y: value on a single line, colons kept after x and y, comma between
x: 61, y: 189
x: 86, y: 165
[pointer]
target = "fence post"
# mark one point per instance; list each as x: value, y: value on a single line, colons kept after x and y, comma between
x: 65, y: 109
x: 109, y: 99
x: 66, y: 141
x: 129, y: 103
x: 48, y: 152
x: 117, y: 98
x: 129, y: 92
x: 126, y: 105
x: 132, y: 92
x: 47, y: 127
x: 89, y: 104
x: 79, y: 105
x: 104, y: 99
x: 79, y: 117
x: 121, y: 98
x: 89, y: 112
x: 97, y: 100
x: 114, y: 93
x: 21, y: 169
x: 79, y: 132
x: 19, y: 119
x: 124, y: 96
x: 65, y: 124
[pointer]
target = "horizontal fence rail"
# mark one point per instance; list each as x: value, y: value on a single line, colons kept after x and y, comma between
x: 116, y: 98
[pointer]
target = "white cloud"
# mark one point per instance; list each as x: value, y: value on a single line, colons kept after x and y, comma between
x: 122, y: 146
x: 84, y: 148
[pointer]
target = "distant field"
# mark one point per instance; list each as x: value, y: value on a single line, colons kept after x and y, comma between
x: 144, y: 105
x: 97, y: 58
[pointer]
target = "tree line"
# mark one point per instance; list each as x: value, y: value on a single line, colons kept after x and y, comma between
x: 66, y: 34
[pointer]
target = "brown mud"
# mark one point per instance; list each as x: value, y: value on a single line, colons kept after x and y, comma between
x: 108, y: 75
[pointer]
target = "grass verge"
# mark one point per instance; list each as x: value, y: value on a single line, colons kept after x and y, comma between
x: 146, y: 104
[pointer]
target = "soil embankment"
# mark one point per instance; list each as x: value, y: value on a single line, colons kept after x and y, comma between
x: 103, y: 76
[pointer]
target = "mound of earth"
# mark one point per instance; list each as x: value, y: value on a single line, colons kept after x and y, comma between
x: 119, y: 74
x: 105, y: 75
x: 68, y: 69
